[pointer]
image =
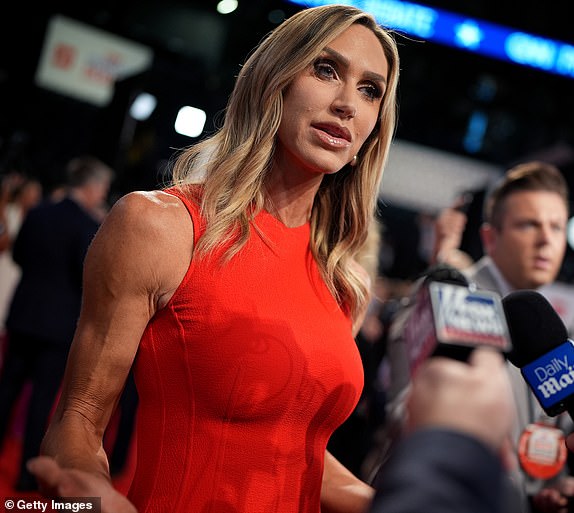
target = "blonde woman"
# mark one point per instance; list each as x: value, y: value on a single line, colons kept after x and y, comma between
x: 235, y: 292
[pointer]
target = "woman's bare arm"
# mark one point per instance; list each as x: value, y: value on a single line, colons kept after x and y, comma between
x: 134, y: 264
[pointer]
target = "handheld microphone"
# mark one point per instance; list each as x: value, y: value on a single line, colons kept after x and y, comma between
x: 449, y: 318
x: 541, y: 350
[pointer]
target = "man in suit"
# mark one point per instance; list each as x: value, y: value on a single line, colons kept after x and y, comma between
x: 524, y: 239
x: 50, y: 249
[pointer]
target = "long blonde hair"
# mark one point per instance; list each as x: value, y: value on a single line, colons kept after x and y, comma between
x: 232, y: 164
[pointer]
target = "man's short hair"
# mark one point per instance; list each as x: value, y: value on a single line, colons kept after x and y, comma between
x: 528, y: 176
x: 86, y: 168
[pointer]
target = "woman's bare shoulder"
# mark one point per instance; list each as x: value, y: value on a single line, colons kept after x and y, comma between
x: 148, y: 213
x: 147, y: 205
x: 148, y: 235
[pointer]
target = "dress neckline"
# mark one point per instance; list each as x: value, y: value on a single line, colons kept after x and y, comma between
x: 271, y: 219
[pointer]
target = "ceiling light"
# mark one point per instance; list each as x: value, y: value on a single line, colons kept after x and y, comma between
x: 190, y: 121
x: 227, y: 6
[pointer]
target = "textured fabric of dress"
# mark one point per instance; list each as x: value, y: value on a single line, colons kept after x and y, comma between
x: 243, y: 377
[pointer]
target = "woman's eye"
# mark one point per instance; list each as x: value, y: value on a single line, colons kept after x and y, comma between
x: 372, y: 91
x: 324, y: 69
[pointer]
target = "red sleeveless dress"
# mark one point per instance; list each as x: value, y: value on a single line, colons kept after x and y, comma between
x: 243, y: 377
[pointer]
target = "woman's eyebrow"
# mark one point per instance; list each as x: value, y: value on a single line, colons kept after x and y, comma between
x: 346, y: 63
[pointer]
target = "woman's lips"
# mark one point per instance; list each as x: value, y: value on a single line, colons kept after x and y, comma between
x: 338, y: 137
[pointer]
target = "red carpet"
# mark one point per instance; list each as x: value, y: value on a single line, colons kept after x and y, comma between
x: 10, y: 458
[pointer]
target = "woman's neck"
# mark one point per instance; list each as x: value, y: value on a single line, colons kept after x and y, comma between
x: 290, y: 203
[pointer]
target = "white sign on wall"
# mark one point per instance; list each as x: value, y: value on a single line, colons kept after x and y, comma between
x: 83, y: 62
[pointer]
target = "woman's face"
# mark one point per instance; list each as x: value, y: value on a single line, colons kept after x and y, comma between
x: 332, y: 106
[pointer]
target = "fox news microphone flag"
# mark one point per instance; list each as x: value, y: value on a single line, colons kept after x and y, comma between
x: 450, y: 318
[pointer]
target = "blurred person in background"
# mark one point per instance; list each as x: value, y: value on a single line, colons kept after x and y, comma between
x: 18, y: 194
x: 448, y: 228
x: 49, y: 249
x: 524, y: 239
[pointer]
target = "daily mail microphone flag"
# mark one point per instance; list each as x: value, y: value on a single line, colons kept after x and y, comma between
x: 541, y: 350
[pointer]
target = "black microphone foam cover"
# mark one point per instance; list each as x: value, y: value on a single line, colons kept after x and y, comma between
x: 535, y: 327
x: 445, y: 273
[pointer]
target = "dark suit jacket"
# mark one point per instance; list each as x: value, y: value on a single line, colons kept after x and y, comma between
x: 440, y: 471
x: 50, y: 249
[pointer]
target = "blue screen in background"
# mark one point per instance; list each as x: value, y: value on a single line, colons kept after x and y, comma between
x: 473, y: 35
